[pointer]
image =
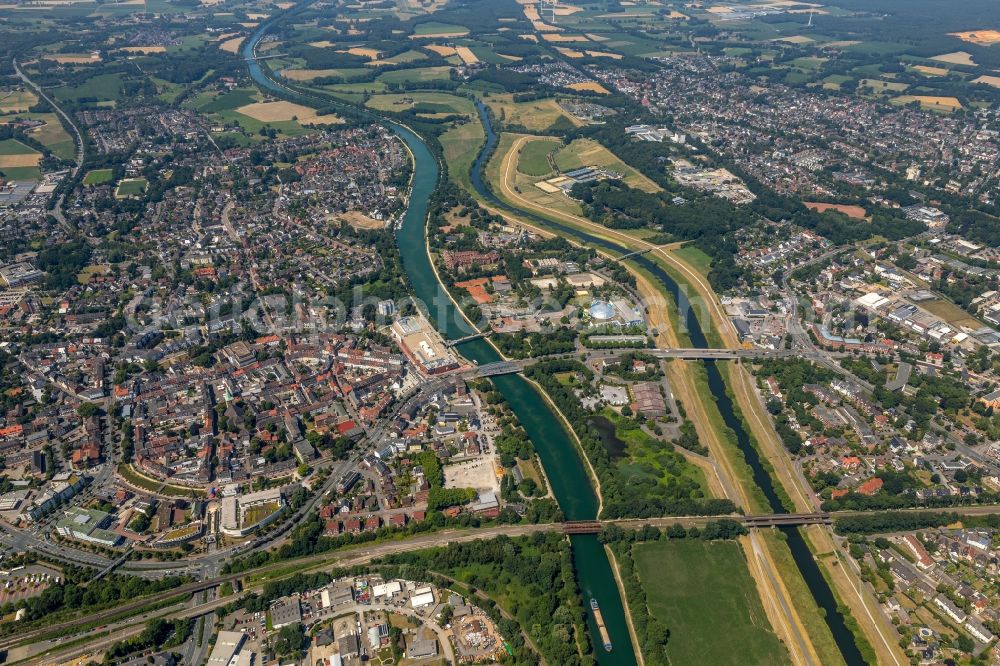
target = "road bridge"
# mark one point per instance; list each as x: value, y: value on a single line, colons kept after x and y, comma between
x: 690, y: 354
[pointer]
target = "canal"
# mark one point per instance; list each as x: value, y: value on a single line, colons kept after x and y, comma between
x: 563, y: 465
x: 818, y: 585
x: 559, y: 455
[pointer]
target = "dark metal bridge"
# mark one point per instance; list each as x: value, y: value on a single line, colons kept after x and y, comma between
x: 764, y: 520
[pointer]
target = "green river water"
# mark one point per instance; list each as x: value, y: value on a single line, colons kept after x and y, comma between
x: 559, y: 455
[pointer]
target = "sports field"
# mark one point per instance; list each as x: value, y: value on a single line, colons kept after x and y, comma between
x: 702, y: 591
x: 98, y: 177
x: 131, y: 187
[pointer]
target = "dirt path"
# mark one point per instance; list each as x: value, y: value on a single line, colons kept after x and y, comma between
x: 781, y: 611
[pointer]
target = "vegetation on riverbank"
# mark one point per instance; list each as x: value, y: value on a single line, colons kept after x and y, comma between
x: 623, y: 495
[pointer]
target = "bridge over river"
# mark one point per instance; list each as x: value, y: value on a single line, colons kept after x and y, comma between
x: 762, y: 520
x: 683, y: 353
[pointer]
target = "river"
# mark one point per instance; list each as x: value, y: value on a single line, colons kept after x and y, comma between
x: 563, y: 466
x: 559, y: 455
x: 807, y: 566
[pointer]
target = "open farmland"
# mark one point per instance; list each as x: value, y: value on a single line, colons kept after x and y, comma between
x: 460, y: 145
x: 13, y: 101
x: 536, y: 115
x: 426, y: 102
x: 279, y: 111
x: 930, y: 102
x: 14, y: 154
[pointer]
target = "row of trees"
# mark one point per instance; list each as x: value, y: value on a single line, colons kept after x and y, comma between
x: 77, y: 593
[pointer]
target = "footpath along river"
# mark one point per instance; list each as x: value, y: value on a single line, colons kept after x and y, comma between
x: 563, y: 465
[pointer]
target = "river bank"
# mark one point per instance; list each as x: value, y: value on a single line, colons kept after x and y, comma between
x: 580, y: 229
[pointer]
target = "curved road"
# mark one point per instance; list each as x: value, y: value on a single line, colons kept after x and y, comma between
x: 77, y: 140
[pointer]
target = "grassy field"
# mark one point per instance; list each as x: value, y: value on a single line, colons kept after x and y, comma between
x: 432, y: 102
x: 229, y: 101
x: 460, y: 145
x: 416, y: 75
x: 16, y: 101
x: 52, y: 135
x: 703, y: 592
x: 586, y: 152
x: 346, y: 73
x: 15, y: 147
x: 536, y: 115
x: 98, y: 176
x: 695, y: 258
x: 138, y: 480
x: 435, y: 28
x: 951, y: 313
x: 101, y: 87
x: 18, y: 161
x: 929, y: 102
x: 131, y: 187
x: 89, y: 272
x: 534, y: 157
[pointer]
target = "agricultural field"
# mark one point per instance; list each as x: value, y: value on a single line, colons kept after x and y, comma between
x: 930, y: 102
x: 245, y: 107
x: 51, y: 134
x: 103, y: 87
x: 431, y: 29
x: 18, y: 161
x: 416, y: 75
x: 460, y: 145
x: 535, y: 116
x: 268, y: 112
x: 422, y: 102
x: 695, y: 588
x: 16, y: 101
x: 309, y: 74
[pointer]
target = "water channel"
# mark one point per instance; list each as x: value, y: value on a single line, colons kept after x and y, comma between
x: 563, y: 466
x: 559, y: 456
x: 813, y: 577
